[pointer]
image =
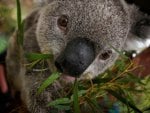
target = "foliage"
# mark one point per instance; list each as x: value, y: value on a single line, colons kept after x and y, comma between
x: 117, y: 84
x: 49, y: 81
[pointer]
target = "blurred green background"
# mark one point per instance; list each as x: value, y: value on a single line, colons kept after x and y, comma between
x: 8, y: 18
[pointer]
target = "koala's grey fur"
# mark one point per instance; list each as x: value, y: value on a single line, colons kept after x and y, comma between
x: 105, y: 22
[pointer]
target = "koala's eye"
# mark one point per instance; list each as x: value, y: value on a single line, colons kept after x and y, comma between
x: 105, y: 55
x: 62, y: 22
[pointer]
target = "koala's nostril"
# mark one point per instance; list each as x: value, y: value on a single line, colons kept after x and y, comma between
x: 105, y: 55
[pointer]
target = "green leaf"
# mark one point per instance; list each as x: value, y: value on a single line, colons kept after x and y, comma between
x: 147, y: 109
x: 38, y: 56
x: 75, y: 98
x: 130, y: 78
x: 48, y: 81
x: 80, y: 93
x: 18, y: 13
x: 134, y: 78
x: 123, y: 100
x: 120, y: 65
x: 20, y: 24
x: 62, y: 107
x: 59, y: 101
x: 94, y: 105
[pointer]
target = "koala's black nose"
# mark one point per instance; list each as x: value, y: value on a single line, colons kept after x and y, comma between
x: 77, y: 56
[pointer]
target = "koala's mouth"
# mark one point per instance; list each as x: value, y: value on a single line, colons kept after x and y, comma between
x: 67, y: 78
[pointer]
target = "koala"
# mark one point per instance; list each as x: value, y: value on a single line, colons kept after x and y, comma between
x: 81, y: 35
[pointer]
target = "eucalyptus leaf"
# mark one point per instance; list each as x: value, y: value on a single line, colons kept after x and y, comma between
x: 48, y: 81
x: 75, y: 98
x: 80, y: 93
x: 147, y: 109
x: 62, y: 107
x: 120, y: 65
x: 135, y: 79
x: 38, y: 56
x: 20, y: 24
x: 124, y: 100
x: 59, y: 101
x: 94, y: 104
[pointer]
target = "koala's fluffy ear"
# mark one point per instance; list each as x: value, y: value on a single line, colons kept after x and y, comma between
x: 15, y: 52
x: 31, y: 19
x: 30, y: 24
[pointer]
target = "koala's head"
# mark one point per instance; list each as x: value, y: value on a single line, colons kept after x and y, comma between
x: 81, y: 34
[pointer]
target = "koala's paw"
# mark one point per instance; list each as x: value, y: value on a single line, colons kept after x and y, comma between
x: 142, y: 28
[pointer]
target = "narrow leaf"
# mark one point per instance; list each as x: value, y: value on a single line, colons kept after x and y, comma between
x: 18, y: 13
x: 147, y: 109
x: 75, y: 98
x: 59, y: 101
x: 38, y: 56
x: 20, y: 24
x: 94, y: 104
x: 80, y: 93
x: 134, y: 78
x: 123, y: 100
x: 48, y: 81
x: 62, y: 107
